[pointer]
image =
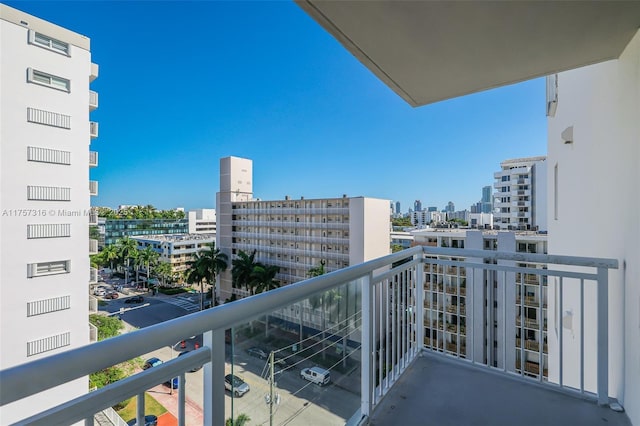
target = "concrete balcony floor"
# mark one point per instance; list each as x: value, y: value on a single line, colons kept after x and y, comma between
x: 446, y: 392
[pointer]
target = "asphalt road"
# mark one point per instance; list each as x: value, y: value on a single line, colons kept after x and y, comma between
x: 300, y: 402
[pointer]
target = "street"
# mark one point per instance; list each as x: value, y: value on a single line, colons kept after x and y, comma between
x: 300, y: 402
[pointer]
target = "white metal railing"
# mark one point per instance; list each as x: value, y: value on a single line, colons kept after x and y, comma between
x: 395, y: 325
x: 93, y: 187
x: 256, y: 236
x: 93, y: 100
x: 93, y: 159
x: 93, y: 304
x: 93, y: 129
x: 93, y: 246
x: 93, y: 272
x: 93, y: 333
x: 552, y: 95
x: 275, y: 224
x: 93, y: 217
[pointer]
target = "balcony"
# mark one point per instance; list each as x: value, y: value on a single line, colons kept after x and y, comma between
x: 93, y: 187
x: 93, y: 129
x: 93, y: 217
x: 93, y: 246
x: 94, y: 72
x: 93, y: 272
x: 93, y: 100
x: 370, y: 323
x: 93, y: 305
x: 93, y: 159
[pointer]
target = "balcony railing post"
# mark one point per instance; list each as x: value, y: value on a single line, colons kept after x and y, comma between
x: 214, y: 389
x: 419, y: 308
x: 603, y: 336
x: 366, y: 381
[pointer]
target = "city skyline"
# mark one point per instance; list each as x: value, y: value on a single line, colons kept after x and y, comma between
x: 284, y: 94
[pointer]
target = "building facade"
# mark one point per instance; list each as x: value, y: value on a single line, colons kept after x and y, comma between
x: 487, y: 200
x: 176, y: 249
x: 202, y: 221
x: 448, y: 310
x: 295, y: 235
x: 45, y: 193
x: 115, y: 229
x: 521, y: 194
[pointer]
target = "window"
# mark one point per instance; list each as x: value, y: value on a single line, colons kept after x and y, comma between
x: 48, y: 193
x: 48, y: 118
x: 41, y: 40
x: 48, y: 230
x: 48, y: 343
x: 44, y: 306
x: 52, y: 81
x: 46, y: 155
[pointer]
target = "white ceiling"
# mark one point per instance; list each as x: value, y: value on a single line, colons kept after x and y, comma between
x: 428, y: 51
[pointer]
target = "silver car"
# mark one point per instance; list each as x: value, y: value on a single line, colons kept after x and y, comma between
x: 235, y: 385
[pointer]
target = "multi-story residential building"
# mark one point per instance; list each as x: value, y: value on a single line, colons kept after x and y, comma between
x: 115, y: 229
x: 401, y: 238
x: 176, y: 249
x: 481, y: 220
x: 521, y: 194
x: 202, y: 221
x: 296, y: 235
x: 45, y: 196
x: 446, y: 301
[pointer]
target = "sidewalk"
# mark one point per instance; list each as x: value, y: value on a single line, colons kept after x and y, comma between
x: 193, y: 414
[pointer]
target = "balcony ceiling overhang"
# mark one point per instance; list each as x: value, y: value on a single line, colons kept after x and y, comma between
x: 427, y: 51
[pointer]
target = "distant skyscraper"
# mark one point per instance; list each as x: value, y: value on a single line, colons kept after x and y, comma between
x: 487, y: 200
x: 450, y: 207
x: 432, y: 209
x: 397, y: 207
x: 417, y: 205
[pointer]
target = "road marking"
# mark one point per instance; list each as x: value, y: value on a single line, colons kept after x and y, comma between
x: 184, y: 303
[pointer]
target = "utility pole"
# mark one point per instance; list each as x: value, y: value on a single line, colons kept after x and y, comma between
x: 271, y: 384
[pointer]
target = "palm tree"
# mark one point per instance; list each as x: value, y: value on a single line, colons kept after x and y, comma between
x: 109, y: 254
x: 214, y: 262
x: 148, y: 257
x: 263, y: 278
x: 241, y: 420
x: 242, y: 268
x: 128, y: 249
x: 163, y: 271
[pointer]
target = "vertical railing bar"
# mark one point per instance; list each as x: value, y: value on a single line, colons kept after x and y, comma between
x: 504, y: 321
x: 582, y: 335
x: 387, y: 346
x: 375, y: 332
x: 401, y: 303
x: 140, y: 409
x: 405, y: 319
x: 541, y: 320
x: 458, y: 319
x: 181, y: 399
x: 394, y: 335
x: 471, y: 286
x: 560, y: 332
x: 89, y: 421
x: 367, y: 352
x: 603, y: 335
x: 489, y: 274
x: 522, y: 334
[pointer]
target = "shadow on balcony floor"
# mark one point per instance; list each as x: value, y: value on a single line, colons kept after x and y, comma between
x: 441, y: 392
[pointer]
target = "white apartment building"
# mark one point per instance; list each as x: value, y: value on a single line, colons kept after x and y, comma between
x: 176, y: 249
x: 525, y: 302
x: 296, y: 235
x: 202, y: 221
x: 594, y: 158
x: 520, y: 199
x: 424, y: 218
x: 481, y: 220
x: 45, y: 192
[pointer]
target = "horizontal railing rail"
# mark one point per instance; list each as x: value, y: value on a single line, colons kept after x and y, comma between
x: 393, y: 327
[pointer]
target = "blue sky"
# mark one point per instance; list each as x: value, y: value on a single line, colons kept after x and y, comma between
x: 183, y: 84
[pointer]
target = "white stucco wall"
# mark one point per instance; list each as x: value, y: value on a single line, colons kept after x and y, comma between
x: 600, y: 170
x: 369, y: 225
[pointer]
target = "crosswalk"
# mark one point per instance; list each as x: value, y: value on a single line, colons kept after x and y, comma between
x: 185, y: 302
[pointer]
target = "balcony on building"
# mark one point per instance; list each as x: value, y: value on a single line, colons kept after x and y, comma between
x: 408, y: 340
x: 93, y: 100
x: 93, y: 272
x: 94, y: 72
x: 93, y: 159
x: 93, y: 217
x: 93, y: 187
x: 93, y: 246
x: 93, y: 129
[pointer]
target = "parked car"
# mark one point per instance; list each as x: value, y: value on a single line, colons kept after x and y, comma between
x: 151, y: 362
x: 316, y: 375
x: 99, y: 292
x: 176, y: 383
x: 258, y: 352
x: 135, y: 299
x: 193, y: 370
x: 112, y: 295
x: 235, y: 384
x: 149, y: 420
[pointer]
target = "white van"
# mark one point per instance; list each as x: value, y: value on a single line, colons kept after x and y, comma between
x: 317, y: 375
